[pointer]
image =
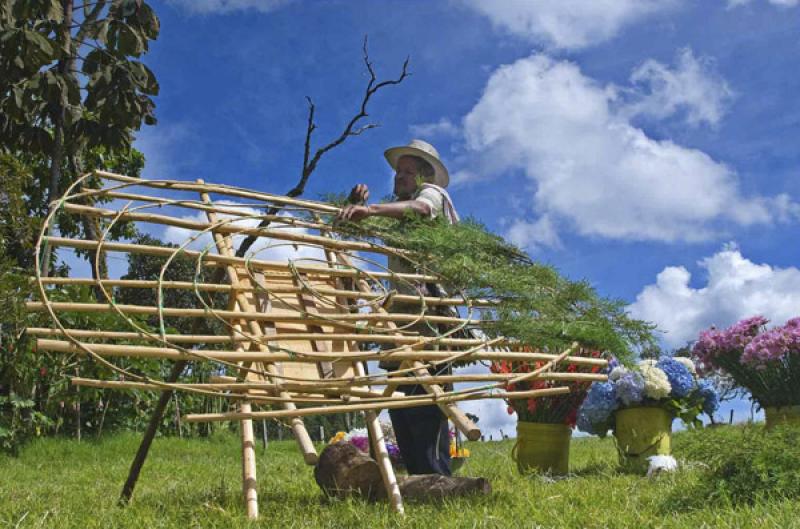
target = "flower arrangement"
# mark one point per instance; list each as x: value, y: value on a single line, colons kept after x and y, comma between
x: 669, y: 383
x: 556, y: 409
x: 764, y: 361
x: 456, y: 450
x: 359, y: 438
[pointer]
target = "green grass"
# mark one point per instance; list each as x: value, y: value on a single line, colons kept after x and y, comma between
x: 196, y: 483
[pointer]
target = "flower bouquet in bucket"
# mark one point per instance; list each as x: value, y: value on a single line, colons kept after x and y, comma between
x: 640, y: 403
x: 766, y: 362
x: 544, y: 425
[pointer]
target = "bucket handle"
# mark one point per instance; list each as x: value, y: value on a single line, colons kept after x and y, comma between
x: 632, y: 454
x: 514, y: 451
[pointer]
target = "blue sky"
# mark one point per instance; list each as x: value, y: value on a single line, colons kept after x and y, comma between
x: 648, y: 146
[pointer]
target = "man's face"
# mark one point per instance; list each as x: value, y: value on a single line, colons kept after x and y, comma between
x: 405, y: 179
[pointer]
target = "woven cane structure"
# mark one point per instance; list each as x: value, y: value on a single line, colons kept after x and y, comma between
x: 302, y: 313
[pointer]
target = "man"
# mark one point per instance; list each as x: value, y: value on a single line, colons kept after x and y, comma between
x: 419, y: 186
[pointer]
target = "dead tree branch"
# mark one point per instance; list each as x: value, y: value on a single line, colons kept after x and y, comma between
x: 353, y: 128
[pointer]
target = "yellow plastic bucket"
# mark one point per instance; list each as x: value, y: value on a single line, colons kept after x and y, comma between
x: 542, y: 447
x: 782, y: 415
x: 641, y: 433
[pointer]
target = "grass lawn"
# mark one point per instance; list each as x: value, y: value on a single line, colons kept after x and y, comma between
x: 196, y: 483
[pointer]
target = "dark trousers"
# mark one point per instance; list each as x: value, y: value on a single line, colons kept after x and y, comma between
x: 423, y: 439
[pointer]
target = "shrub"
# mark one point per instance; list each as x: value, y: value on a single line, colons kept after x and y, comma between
x: 741, y: 465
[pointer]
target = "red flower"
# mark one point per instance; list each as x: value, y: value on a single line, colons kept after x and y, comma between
x: 572, y: 417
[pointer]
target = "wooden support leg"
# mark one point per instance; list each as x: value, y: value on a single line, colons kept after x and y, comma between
x: 382, y: 454
x: 249, y: 464
x: 149, y: 434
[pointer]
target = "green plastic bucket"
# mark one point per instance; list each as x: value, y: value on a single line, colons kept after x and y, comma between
x: 641, y: 433
x: 542, y: 447
x: 782, y: 415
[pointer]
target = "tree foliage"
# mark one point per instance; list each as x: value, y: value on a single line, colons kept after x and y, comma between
x: 534, y: 303
x: 71, y: 81
x: 74, y: 67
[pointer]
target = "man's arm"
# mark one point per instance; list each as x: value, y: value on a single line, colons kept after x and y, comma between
x: 396, y: 210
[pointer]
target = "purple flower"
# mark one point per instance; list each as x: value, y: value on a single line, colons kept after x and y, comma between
x: 630, y: 388
x: 773, y: 345
x: 714, y: 343
x: 360, y: 442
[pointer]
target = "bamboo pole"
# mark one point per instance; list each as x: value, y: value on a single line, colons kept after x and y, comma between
x: 236, y: 387
x: 143, y: 351
x: 249, y: 479
x: 233, y: 210
x: 64, y: 306
x: 382, y: 454
x: 228, y: 228
x: 277, y: 289
x: 220, y: 189
x: 425, y: 401
x: 414, y: 341
x: 223, y: 260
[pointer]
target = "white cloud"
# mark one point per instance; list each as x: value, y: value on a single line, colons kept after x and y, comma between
x: 228, y: 6
x: 595, y: 170
x: 693, y: 87
x: 735, y: 288
x: 568, y: 24
x: 532, y: 235
x: 160, y: 145
x: 444, y: 128
x: 782, y: 3
x: 266, y: 249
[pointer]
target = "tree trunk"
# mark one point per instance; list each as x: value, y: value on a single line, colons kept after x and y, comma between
x: 426, y: 487
x: 58, y: 117
x: 343, y: 470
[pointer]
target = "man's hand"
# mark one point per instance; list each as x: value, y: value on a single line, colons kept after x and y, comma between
x: 353, y: 213
x: 359, y: 194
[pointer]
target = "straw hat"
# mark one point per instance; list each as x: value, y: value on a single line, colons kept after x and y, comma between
x: 424, y: 150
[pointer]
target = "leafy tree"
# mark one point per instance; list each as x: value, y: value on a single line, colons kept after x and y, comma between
x: 71, y: 81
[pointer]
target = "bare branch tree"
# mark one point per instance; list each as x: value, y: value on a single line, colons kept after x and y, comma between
x: 353, y: 128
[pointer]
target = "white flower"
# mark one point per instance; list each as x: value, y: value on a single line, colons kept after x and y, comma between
x: 661, y: 464
x: 656, y: 383
x: 355, y: 432
x: 687, y: 362
x: 617, y: 373
x: 648, y: 363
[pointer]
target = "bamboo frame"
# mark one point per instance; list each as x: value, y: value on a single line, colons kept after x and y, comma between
x: 331, y: 307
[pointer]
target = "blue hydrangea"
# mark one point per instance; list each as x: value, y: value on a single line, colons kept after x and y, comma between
x: 600, y: 403
x: 680, y: 378
x: 630, y: 388
x: 710, y: 396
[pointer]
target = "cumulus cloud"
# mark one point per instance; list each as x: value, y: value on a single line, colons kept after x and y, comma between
x: 693, y: 87
x: 228, y: 6
x: 266, y: 249
x: 735, y: 288
x: 444, y: 128
x: 593, y: 169
x: 540, y: 233
x: 782, y: 3
x: 569, y: 24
